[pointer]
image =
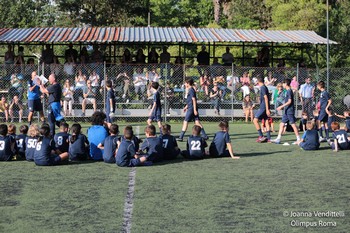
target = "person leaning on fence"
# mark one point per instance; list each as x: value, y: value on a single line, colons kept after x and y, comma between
x: 34, y: 95
x: 4, y: 109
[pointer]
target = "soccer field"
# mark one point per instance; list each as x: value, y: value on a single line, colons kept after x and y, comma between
x: 272, y: 188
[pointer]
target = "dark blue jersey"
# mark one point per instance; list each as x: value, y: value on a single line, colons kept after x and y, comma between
x: 125, y: 153
x: 61, y: 141
x: 196, y: 147
x: 30, y: 147
x: 342, y: 138
x: 219, y: 144
x: 153, y: 146
x: 324, y: 100
x: 302, y: 123
x: 289, y: 110
x: 169, y: 145
x: 191, y: 94
x: 264, y: 92
x: 134, y: 140
x: 347, y: 123
x: 330, y: 120
x: 43, y: 150
x: 311, y: 139
x: 156, y: 99
x: 110, y: 145
x: 77, y: 149
x: 21, y: 143
x: 6, y: 147
x: 110, y: 96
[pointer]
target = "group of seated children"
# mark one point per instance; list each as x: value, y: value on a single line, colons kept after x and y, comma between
x: 313, y: 132
x: 36, y: 144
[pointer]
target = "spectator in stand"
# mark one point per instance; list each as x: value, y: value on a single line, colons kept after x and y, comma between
x: 4, y: 108
x: 294, y: 84
x: 306, y: 94
x: 69, y: 68
x: 153, y: 56
x: 16, y: 107
x: 178, y: 72
x: 96, y: 55
x: 140, y: 57
x: 215, y: 96
x: 16, y: 87
x: 278, y: 97
x: 203, y: 59
x: 204, y: 82
x: 9, y: 56
x: 84, y: 56
x: 270, y: 82
x: 152, y: 75
x: 233, y: 85
x: 80, y: 84
x: 67, y: 93
x: 165, y: 60
x: 245, y: 81
x: 47, y: 58
x: 227, y: 58
x: 19, y: 61
x: 248, y: 107
x: 89, y: 94
x: 95, y: 80
x: 125, y: 82
x: 140, y: 82
x: 71, y: 53
x: 126, y: 58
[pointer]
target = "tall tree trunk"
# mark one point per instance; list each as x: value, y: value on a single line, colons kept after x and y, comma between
x: 217, y: 10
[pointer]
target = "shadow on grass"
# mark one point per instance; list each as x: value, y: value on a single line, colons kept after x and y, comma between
x: 253, y: 154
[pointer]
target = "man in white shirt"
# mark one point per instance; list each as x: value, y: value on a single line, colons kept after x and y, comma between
x: 140, y: 82
x: 306, y: 94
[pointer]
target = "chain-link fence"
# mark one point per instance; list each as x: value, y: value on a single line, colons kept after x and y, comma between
x: 131, y: 84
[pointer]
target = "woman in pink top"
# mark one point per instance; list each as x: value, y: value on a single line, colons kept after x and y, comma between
x: 294, y: 84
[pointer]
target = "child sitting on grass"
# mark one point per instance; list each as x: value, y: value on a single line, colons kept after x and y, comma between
x: 152, y: 145
x: 31, y: 141
x: 78, y: 144
x: 21, y: 142
x: 346, y: 116
x: 110, y: 144
x: 195, y: 145
x: 310, y: 139
x: 303, y: 121
x: 134, y: 139
x: 7, y: 144
x: 340, y: 137
x: 61, y: 138
x: 221, y: 144
x: 126, y: 154
x: 170, y: 147
x: 45, y: 152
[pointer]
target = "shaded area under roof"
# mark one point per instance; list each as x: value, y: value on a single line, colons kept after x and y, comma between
x: 156, y: 35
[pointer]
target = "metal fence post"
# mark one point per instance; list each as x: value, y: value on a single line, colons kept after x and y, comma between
x: 165, y: 93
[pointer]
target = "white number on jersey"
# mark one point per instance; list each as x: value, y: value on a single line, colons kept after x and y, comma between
x: 38, y: 146
x: 19, y: 143
x: 341, y: 138
x: 165, y: 143
x: 60, y: 140
x: 31, y: 143
x: 2, y: 145
x: 195, y: 145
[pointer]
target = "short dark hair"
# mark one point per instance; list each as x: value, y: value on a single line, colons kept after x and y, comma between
x: 11, y: 128
x: 114, y: 129
x: 223, y: 125
x: 23, y: 129
x: 155, y: 85
x: 189, y: 81
x: 260, y: 78
x: 287, y: 81
x: 196, y: 130
x: 3, y: 129
x: 98, y: 118
x: 108, y: 83
x: 128, y: 133
x: 64, y: 125
x: 321, y: 84
x: 151, y: 130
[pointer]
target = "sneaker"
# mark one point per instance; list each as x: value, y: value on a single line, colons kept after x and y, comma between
x: 82, y: 114
x: 295, y: 143
x: 127, y: 101
x: 277, y: 141
x: 168, y: 115
x: 321, y: 139
x: 123, y: 96
x: 179, y: 139
x: 261, y: 139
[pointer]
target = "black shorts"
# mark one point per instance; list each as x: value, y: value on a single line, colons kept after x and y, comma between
x: 35, y: 105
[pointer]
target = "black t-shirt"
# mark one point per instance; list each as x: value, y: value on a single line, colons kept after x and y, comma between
x: 55, y: 92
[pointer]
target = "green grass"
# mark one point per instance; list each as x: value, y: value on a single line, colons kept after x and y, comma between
x: 211, y: 195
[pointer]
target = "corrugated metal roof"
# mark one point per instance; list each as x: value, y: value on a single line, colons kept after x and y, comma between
x: 157, y: 35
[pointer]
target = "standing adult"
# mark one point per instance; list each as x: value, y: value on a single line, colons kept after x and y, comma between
x: 306, y: 93
x: 34, y: 101
x: 71, y: 53
x: 54, y: 91
x: 227, y: 58
x: 203, y: 59
x: 164, y: 61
